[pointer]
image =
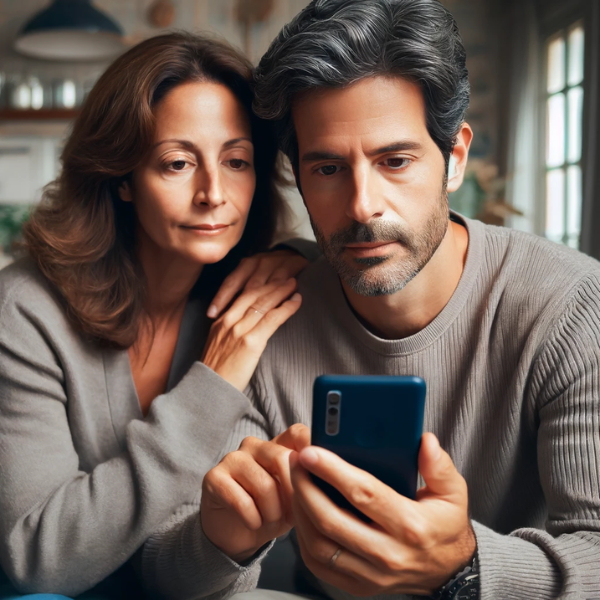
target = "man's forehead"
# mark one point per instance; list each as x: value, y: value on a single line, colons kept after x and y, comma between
x: 372, y: 107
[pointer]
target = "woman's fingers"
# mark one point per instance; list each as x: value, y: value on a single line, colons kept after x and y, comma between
x: 274, y: 458
x: 269, y: 269
x: 272, y: 321
x: 232, y: 285
x: 243, y: 485
x: 252, y: 307
x: 235, y: 344
x: 254, y: 272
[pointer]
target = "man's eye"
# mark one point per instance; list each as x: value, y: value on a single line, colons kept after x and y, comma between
x: 328, y: 170
x: 397, y: 163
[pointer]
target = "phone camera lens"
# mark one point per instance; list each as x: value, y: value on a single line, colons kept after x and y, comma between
x: 334, y: 399
x: 333, y: 411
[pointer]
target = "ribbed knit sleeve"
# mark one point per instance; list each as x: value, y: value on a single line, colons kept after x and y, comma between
x: 563, y: 561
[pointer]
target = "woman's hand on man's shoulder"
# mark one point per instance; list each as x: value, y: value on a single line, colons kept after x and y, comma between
x: 256, y: 271
x: 238, y: 338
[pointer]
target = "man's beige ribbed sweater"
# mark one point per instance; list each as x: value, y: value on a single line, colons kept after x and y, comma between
x: 512, y: 366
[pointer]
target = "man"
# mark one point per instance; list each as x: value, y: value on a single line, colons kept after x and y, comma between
x: 370, y: 97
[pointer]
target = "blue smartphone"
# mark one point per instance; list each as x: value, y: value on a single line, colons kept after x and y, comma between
x: 373, y: 422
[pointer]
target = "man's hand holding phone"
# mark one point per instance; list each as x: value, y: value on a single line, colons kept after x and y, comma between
x: 247, y: 497
x: 410, y: 547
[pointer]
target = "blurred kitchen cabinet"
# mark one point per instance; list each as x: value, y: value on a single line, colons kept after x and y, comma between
x: 27, y: 164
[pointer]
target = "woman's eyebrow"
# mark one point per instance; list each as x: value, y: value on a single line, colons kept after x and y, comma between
x: 236, y: 141
x: 192, y: 146
x: 185, y: 143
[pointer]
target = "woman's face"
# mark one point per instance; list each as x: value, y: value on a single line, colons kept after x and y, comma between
x: 193, y: 191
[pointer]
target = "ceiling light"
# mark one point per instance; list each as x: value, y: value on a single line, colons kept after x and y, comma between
x: 70, y: 30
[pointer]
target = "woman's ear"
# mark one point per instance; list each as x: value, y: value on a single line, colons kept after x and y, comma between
x: 125, y: 192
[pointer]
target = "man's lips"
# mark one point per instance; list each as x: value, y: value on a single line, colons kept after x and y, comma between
x: 369, y: 249
x: 366, y: 245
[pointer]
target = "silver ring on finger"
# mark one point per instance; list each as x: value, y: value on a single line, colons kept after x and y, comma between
x: 256, y: 311
x: 335, y: 556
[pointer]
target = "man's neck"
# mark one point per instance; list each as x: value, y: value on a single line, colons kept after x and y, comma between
x: 410, y: 310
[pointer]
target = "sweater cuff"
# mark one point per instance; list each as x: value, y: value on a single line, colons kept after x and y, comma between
x: 308, y: 249
x: 513, y: 568
x: 227, y: 564
x: 184, y: 563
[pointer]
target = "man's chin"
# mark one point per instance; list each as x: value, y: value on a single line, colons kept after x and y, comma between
x: 371, y: 281
x: 371, y: 261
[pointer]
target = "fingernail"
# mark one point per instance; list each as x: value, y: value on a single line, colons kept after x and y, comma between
x: 212, y: 311
x: 309, y: 457
x: 437, y: 451
x: 296, y: 298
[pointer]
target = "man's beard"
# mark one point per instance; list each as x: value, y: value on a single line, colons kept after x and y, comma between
x: 376, y: 278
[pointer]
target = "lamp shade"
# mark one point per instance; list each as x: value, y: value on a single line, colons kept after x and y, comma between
x: 70, y: 30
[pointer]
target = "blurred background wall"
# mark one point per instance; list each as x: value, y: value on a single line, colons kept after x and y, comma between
x: 534, y: 67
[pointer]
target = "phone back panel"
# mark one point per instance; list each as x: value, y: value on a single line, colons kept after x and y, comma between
x: 380, y: 426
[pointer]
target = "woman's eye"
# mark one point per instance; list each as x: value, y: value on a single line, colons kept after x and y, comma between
x: 397, y: 163
x: 177, y: 165
x: 328, y: 170
x: 237, y: 164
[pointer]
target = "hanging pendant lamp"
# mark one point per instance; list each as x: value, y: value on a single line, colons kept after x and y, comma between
x: 70, y: 30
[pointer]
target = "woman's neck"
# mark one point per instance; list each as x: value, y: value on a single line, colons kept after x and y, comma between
x: 169, y: 280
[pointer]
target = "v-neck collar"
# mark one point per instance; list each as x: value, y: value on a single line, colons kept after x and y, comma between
x: 123, y: 399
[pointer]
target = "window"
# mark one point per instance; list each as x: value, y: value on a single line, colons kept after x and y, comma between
x: 564, y: 134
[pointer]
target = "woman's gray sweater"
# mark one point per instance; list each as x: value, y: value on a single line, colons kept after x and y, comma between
x: 84, y: 477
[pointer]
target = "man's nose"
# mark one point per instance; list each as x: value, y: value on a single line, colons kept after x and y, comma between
x: 209, y: 188
x: 366, y: 201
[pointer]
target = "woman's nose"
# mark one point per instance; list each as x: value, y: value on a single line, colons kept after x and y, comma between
x: 209, y: 189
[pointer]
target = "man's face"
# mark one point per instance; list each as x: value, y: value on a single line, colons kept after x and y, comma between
x: 373, y: 181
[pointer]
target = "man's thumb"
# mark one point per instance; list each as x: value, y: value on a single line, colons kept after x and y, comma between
x: 437, y: 468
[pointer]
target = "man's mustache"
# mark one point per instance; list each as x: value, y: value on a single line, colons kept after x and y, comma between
x: 361, y: 233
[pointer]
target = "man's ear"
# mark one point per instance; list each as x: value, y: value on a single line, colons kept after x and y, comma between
x: 459, y: 157
x: 124, y: 191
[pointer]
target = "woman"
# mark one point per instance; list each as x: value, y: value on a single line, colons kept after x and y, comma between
x: 108, y: 420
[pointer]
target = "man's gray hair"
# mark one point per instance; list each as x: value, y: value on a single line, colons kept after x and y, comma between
x: 334, y: 43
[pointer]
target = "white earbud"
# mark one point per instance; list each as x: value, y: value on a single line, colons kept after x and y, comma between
x: 451, y: 167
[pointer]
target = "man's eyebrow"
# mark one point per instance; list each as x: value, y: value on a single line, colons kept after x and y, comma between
x: 314, y: 156
x: 191, y: 145
x: 395, y: 147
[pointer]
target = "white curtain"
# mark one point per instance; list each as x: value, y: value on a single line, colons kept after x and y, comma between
x: 523, y: 185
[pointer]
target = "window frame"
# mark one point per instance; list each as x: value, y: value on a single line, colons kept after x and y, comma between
x: 556, y: 16
x: 563, y: 33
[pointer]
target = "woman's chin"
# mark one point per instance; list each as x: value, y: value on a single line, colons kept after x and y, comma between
x: 210, y: 255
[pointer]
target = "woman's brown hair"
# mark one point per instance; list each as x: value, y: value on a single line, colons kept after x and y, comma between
x: 82, y: 235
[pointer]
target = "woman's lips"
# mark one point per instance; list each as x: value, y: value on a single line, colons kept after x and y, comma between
x: 207, y: 229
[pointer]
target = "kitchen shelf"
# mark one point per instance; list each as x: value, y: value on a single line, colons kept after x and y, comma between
x: 44, y: 114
